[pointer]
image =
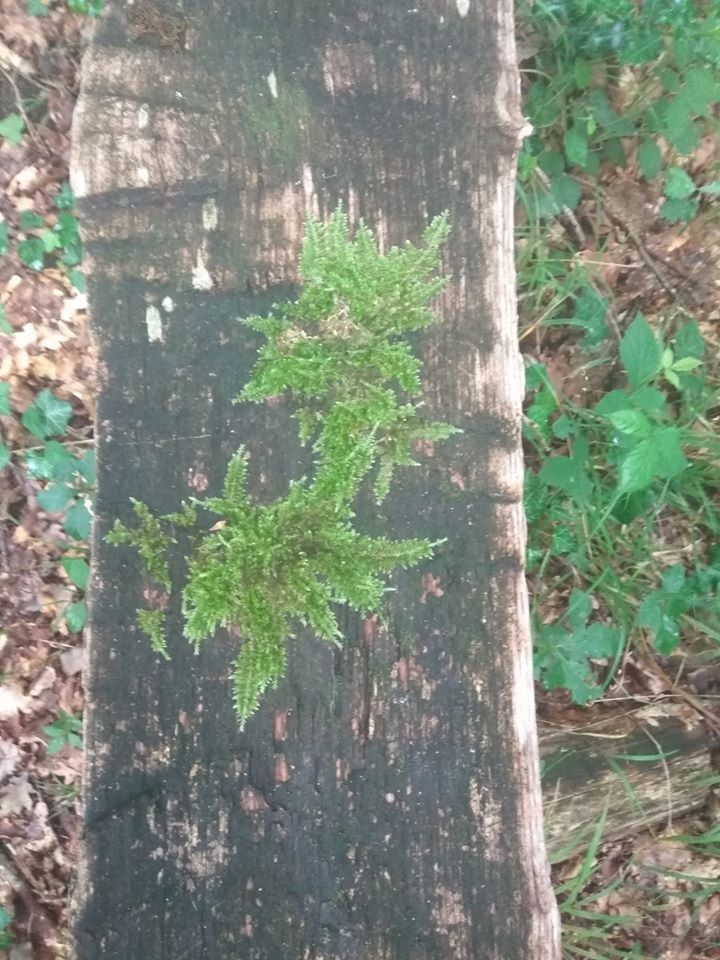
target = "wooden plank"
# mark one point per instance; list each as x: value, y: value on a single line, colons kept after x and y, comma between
x: 384, y: 804
x: 642, y: 768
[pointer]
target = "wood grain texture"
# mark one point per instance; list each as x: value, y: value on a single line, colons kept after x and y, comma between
x: 385, y: 803
x: 642, y: 769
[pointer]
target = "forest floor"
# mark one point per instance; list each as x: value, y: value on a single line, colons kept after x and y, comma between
x: 651, y: 895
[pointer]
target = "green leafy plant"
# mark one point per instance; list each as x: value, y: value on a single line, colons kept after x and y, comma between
x: 12, y: 128
x: 65, y: 730
x: 60, y: 242
x: 6, y: 937
x: 340, y: 354
x: 564, y: 654
x: 92, y: 8
x: 68, y: 477
x: 607, y: 83
x: 598, y: 481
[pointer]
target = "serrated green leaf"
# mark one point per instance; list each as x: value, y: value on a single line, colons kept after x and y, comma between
x: 686, y: 364
x: 48, y: 416
x: 12, y: 128
x: 678, y: 185
x: 670, y: 457
x: 36, y: 8
x: 632, y: 422
x: 563, y: 427
x: 640, y: 352
x: 679, y: 211
x: 689, y: 341
x: 76, y: 616
x: 649, y: 159
x: 648, y: 399
x: 576, y: 146
x: 613, y: 401
x: 77, y: 570
x: 579, y: 609
x: 638, y: 467
x: 674, y: 578
x: 566, y: 192
x: 701, y: 88
x: 711, y: 189
x: 569, y: 476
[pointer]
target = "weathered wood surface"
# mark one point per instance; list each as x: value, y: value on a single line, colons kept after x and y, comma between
x: 385, y: 802
x: 641, y: 769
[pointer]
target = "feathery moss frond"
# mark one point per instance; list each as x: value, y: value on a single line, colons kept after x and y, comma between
x: 340, y: 355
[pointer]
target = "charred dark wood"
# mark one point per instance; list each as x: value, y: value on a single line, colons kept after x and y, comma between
x: 385, y: 802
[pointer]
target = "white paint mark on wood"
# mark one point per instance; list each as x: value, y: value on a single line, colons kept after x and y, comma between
x: 201, y: 279
x: 210, y: 214
x: 272, y: 83
x: 168, y: 304
x: 153, y: 322
x: 463, y: 6
x: 143, y: 176
x: 143, y: 117
x: 311, y: 202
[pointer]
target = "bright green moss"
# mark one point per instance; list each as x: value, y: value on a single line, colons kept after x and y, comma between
x: 339, y: 352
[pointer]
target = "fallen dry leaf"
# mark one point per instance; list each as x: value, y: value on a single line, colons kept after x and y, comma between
x: 16, y: 796
x: 9, y: 758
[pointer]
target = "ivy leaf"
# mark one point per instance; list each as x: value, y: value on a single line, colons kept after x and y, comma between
x: 53, y: 462
x: 29, y: 220
x: 76, y: 616
x: 640, y: 352
x: 48, y: 416
x: 78, y: 521
x: 55, y: 497
x: 77, y: 570
x: 32, y: 253
x: 64, y: 199
x: 12, y: 128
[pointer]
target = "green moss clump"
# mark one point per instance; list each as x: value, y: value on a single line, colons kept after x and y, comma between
x: 340, y: 353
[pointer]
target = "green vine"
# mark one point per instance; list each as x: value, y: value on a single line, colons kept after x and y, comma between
x: 339, y: 353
